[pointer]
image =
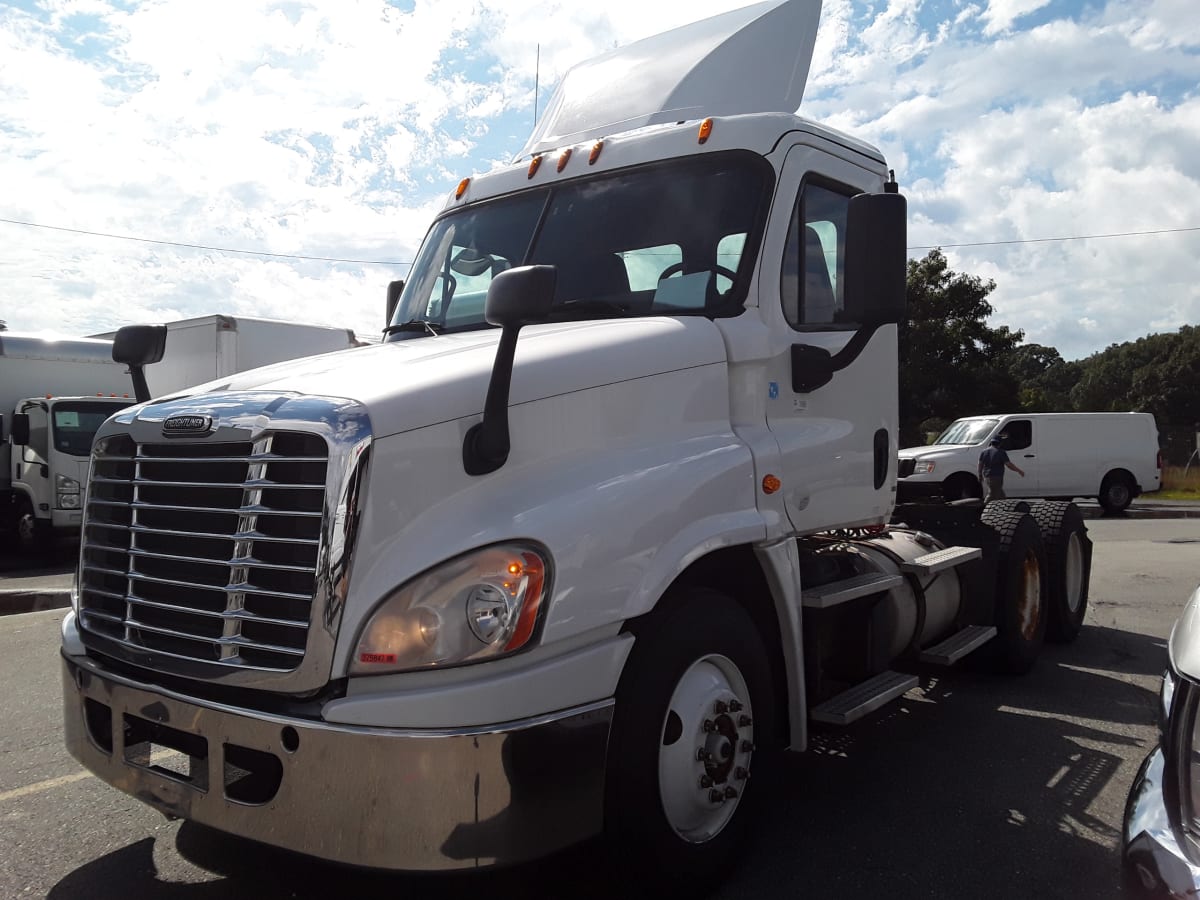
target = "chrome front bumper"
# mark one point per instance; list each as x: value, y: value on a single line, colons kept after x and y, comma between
x: 384, y: 798
x: 1153, y: 860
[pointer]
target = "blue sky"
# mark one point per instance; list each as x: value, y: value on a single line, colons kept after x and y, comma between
x: 335, y: 129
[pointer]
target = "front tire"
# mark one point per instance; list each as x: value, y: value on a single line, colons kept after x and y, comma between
x: 33, y: 534
x: 693, y: 705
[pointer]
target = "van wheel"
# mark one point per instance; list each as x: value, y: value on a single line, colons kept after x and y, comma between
x: 692, y: 706
x: 961, y: 487
x: 1021, y: 591
x: 33, y: 535
x: 1069, y: 563
x: 1116, y: 492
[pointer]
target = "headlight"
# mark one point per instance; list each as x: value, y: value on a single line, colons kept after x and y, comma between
x: 481, y: 605
x: 65, y: 485
x: 923, y: 467
x: 68, y: 501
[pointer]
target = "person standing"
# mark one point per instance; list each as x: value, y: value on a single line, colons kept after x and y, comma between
x: 992, y: 463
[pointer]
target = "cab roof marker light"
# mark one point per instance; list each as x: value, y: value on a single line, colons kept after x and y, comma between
x: 462, y: 188
x: 705, y: 130
x: 595, y: 154
x: 563, y: 159
x: 534, y: 165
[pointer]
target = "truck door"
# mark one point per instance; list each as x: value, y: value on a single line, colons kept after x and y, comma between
x: 1019, y: 439
x: 29, y: 461
x: 837, y: 440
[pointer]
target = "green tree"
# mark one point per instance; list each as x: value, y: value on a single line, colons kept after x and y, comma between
x: 952, y: 363
x: 1044, y: 379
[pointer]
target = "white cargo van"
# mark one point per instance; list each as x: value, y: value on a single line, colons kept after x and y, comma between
x: 1113, y: 457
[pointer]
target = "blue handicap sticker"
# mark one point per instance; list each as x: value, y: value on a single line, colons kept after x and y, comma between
x: 773, y: 390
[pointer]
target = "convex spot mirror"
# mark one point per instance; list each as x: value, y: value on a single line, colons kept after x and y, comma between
x: 876, y: 259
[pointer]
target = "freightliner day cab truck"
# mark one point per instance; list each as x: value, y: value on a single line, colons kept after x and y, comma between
x: 607, y: 517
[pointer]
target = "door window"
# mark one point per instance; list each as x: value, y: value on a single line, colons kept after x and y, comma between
x: 1017, y: 435
x: 811, y: 283
x: 39, y: 442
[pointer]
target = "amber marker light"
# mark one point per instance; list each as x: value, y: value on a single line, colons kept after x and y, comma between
x: 705, y: 130
x: 595, y: 154
x: 563, y: 159
x: 534, y: 165
x: 514, y: 568
x: 462, y: 188
x: 771, y: 484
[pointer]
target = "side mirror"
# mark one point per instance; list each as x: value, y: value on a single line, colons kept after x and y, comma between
x: 515, y: 298
x: 138, y: 346
x: 394, y: 290
x: 876, y: 259
x: 20, y: 429
x: 520, y: 296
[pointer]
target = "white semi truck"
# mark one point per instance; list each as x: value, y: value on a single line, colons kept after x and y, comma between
x: 607, y: 517
x: 54, y: 393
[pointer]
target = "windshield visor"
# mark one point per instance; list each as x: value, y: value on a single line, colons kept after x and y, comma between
x: 671, y: 239
x: 74, y: 425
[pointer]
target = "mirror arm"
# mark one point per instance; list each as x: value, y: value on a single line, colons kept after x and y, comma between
x: 486, y: 445
x: 141, y: 390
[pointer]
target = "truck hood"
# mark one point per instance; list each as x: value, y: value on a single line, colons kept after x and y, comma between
x: 933, y: 451
x: 411, y: 384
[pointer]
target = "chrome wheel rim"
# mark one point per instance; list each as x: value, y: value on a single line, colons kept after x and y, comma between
x: 706, y: 743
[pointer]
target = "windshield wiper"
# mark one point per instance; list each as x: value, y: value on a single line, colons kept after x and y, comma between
x: 413, y: 325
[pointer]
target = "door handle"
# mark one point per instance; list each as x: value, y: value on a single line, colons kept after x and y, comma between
x: 1030, y: 455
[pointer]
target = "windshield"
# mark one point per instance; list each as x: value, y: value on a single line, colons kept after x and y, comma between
x: 967, y: 431
x: 75, y: 424
x: 671, y: 239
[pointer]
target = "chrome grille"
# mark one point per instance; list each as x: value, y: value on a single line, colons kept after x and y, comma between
x: 205, y: 551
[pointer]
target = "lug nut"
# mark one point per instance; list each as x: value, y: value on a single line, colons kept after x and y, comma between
x: 740, y: 774
x: 730, y: 793
x: 747, y: 746
x: 703, y: 755
x: 706, y: 781
x: 734, y: 706
x: 715, y: 796
x: 745, y: 721
x: 710, y: 726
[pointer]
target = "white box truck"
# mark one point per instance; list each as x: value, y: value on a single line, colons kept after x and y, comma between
x: 207, y: 348
x: 1113, y: 457
x: 607, y: 518
x: 54, y: 393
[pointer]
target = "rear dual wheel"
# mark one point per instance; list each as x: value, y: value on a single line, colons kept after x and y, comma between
x: 1022, y: 601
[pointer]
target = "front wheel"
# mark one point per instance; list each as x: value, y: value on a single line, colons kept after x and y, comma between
x: 693, y: 705
x: 33, y: 534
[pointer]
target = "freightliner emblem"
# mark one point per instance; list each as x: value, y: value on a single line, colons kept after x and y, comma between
x: 187, y: 425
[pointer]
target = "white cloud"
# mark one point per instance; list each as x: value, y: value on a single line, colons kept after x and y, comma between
x: 318, y: 128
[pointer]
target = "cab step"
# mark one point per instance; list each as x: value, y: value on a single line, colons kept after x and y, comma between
x: 827, y: 595
x: 940, y: 560
x: 864, y: 698
x: 958, y: 645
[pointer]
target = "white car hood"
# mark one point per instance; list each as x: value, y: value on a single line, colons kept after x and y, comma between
x: 411, y: 384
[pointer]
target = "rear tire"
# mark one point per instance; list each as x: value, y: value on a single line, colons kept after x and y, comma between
x: 1021, y: 590
x: 1116, y: 492
x: 660, y: 815
x: 1068, y: 560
